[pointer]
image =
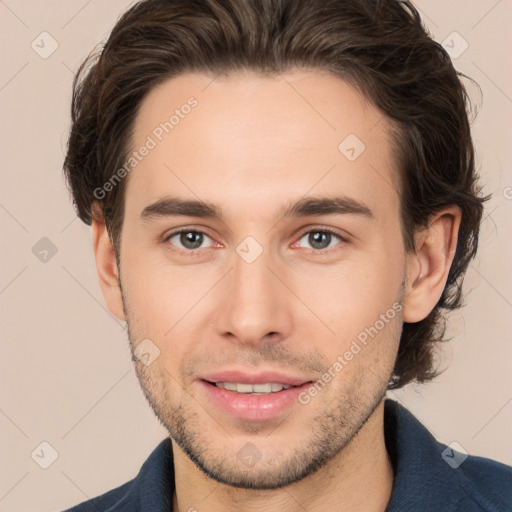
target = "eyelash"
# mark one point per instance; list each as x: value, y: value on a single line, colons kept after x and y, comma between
x: 308, y: 231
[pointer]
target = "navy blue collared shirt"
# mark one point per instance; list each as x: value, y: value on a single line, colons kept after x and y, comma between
x: 429, y: 476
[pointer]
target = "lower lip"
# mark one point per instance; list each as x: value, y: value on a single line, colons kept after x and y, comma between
x: 253, y: 407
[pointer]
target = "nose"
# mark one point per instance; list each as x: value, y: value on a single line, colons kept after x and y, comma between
x: 256, y: 306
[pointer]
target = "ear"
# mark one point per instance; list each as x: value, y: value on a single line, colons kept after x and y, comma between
x: 428, y: 267
x: 106, y: 265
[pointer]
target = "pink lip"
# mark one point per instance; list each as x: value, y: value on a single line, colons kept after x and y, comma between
x: 253, y: 407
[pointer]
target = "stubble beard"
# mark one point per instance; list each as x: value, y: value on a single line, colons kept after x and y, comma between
x: 327, y: 434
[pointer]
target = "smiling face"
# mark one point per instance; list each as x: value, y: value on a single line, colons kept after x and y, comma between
x: 261, y: 245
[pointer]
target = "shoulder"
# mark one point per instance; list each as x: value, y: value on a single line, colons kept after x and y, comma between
x: 431, y: 476
x: 150, y: 490
x: 120, y: 496
x: 487, y: 480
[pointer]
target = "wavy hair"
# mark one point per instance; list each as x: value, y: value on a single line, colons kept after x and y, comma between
x: 379, y: 46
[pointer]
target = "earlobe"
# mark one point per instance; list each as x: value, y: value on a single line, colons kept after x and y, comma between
x: 428, y: 267
x: 106, y: 266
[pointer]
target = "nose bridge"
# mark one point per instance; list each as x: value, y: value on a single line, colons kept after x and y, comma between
x: 255, y: 303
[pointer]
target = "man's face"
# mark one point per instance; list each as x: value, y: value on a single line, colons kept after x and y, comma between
x: 255, y: 295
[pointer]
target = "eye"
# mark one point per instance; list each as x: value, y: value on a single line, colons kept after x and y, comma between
x: 321, y: 239
x: 189, y: 239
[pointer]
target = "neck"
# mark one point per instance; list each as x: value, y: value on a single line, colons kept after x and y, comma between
x: 359, y: 478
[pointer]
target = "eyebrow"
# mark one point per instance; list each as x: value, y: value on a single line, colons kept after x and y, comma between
x: 308, y: 206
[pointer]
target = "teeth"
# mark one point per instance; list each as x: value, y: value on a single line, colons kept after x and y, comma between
x: 252, y: 388
x: 243, y: 388
x: 263, y: 388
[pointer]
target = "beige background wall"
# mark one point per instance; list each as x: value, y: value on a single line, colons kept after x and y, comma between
x: 66, y: 375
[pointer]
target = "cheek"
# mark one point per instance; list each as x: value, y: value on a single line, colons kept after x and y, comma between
x: 351, y: 296
x: 160, y: 294
x: 166, y: 304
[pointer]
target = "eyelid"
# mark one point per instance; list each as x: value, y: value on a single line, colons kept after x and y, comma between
x: 187, y: 229
x: 323, y: 229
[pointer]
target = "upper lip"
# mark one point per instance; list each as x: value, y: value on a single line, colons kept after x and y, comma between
x: 241, y: 377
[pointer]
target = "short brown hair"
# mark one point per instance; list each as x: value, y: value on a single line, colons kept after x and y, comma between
x: 379, y: 46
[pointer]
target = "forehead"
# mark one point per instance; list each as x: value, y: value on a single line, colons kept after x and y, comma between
x: 226, y: 139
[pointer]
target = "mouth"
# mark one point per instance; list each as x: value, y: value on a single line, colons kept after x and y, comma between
x: 253, y: 397
x: 253, y: 389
